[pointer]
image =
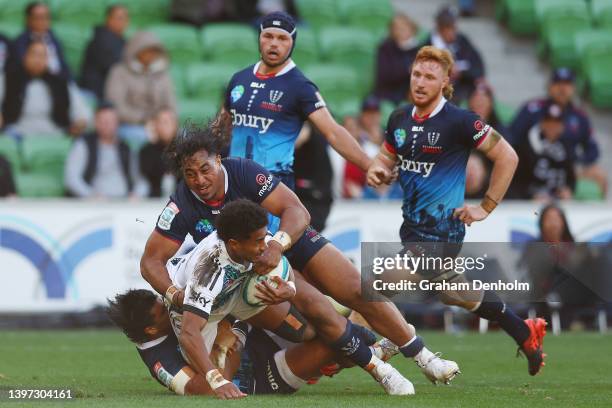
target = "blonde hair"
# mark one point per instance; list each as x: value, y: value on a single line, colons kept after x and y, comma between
x: 442, y: 57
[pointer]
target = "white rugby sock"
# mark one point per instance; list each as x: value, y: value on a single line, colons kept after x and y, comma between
x: 285, y: 372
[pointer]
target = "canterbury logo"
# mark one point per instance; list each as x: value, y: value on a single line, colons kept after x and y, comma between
x: 275, y: 96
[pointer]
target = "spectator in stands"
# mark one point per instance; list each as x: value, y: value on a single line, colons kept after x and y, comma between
x: 7, y: 182
x: 38, y: 28
x: 578, y: 131
x: 140, y: 85
x: 482, y: 102
x: 104, y: 50
x: 159, y: 180
x: 38, y: 102
x: 553, y: 225
x: 547, y: 166
x: 394, y: 59
x: 469, y: 68
x: 313, y: 178
x: 100, y: 165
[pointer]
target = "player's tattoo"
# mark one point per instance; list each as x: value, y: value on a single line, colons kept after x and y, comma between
x: 490, y: 142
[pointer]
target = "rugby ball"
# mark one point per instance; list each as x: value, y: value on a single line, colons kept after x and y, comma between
x: 249, y: 290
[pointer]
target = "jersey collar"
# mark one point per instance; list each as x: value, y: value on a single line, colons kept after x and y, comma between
x: 225, y: 258
x: 283, y: 71
x: 433, y: 113
x: 152, y: 343
x: 224, y: 192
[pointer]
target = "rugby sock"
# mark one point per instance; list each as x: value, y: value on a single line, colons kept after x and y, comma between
x: 351, y: 345
x: 492, y: 308
x: 413, y: 347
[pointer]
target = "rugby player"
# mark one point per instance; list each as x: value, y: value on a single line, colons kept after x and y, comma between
x: 430, y: 142
x: 256, y: 360
x: 210, y: 182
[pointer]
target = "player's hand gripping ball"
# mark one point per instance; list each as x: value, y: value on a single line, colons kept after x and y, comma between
x: 282, y: 272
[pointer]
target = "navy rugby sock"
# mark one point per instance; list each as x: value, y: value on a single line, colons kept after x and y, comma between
x: 413, y: 347
x: 353, y: 346
x: 492, y: 308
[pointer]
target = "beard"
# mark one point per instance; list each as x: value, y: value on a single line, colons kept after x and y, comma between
x: 423, y: 102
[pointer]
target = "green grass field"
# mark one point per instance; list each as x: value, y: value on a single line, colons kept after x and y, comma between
x: 104, y: 370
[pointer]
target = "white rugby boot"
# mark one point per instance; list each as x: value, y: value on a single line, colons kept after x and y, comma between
x: 436, y: 369
x: 391, y: 380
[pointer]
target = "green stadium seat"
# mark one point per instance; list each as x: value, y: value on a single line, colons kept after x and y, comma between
x: 505, y: 112
x: 338, y: 83
x: 306, y: 50
x: 39, y: 185
x: 10, y: 150
x: 146, y: 12
x: 74, y: 40
x: 181, y: 42
x: 10, y: 29
x: 230, y: 43
x: 595, y: 51
x: 368, y: 14
x: 46, y: 154
x: 601, y: 10
x: 546, y: 8
x: 386, y: 108
x: 197, y: 110
x: 13, y: 12
x: 347, y: 108
x: 177, y: 72
x: 318, y: 13
x: 208, y: 80
x: 353, y: 47
x: 558, y: 33
x: 587, y: 190
x: 520, y: 16
x: 85, y: 13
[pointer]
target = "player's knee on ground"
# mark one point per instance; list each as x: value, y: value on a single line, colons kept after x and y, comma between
x: 294, y: 327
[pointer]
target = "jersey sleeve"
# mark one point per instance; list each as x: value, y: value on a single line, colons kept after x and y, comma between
x: 473, y: 130
x: 201, y: 293
x: 390, y: 138
x: 257, y: 182
x: 309, y: 99
x: 171, y: 223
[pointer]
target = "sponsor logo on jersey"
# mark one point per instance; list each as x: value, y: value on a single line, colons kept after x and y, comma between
x: 167, y: 216
x: 237, y: 93
x: 413, y: 166
x: 258, y: 85
x: 252, y: 121
x: 321, y: 103
x: 204, y: 226
x: 312, y: 234
x: 260, y: 179
x: 271, y: 106
x: 417, y: 128
x: 164, y: 376
x: 266, y: 185
x: 197, y: 297
x: 270, y: 377
x: 483, y: 131
x: 275, y: 96
x: 400, y: 137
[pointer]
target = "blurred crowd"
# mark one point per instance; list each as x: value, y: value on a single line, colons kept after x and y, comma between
x: 121, y: 109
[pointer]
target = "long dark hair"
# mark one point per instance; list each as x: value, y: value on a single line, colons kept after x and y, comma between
x: 566, y: 235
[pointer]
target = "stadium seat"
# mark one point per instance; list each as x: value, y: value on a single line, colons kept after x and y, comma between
x: 306, y: 49
x: 181, y: 42
x: 587, y: 190
x: 230, y: 43
x: 353, y: 47
x: 208, y: 80
x: 371, y: 15
x: 74, y: 39
x: 595, y: 51
x: 548, y: 7
x: 46, y: 154
x: 386, y: 108
x: 177, y: 72
x: 318, y: 13
x: 10, y: 150
x: 11, y: 29
x: 39, y: 185
x: 338, y: 83
x: 601, y: 10
x: 85, y: 13
x: 147, y: 12
x: 520, y: 16
x: 197, y: 110
x: 13, y: 12
x: 557, y: 37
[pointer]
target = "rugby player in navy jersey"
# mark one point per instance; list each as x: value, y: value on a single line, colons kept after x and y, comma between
x: 209, y: 183
x: 270, y: 101
x: 430, y: 141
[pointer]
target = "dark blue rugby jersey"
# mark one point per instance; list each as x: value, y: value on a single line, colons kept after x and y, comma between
x: 186, y: 214
x: 267, y: 114
x: 432, y: 156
